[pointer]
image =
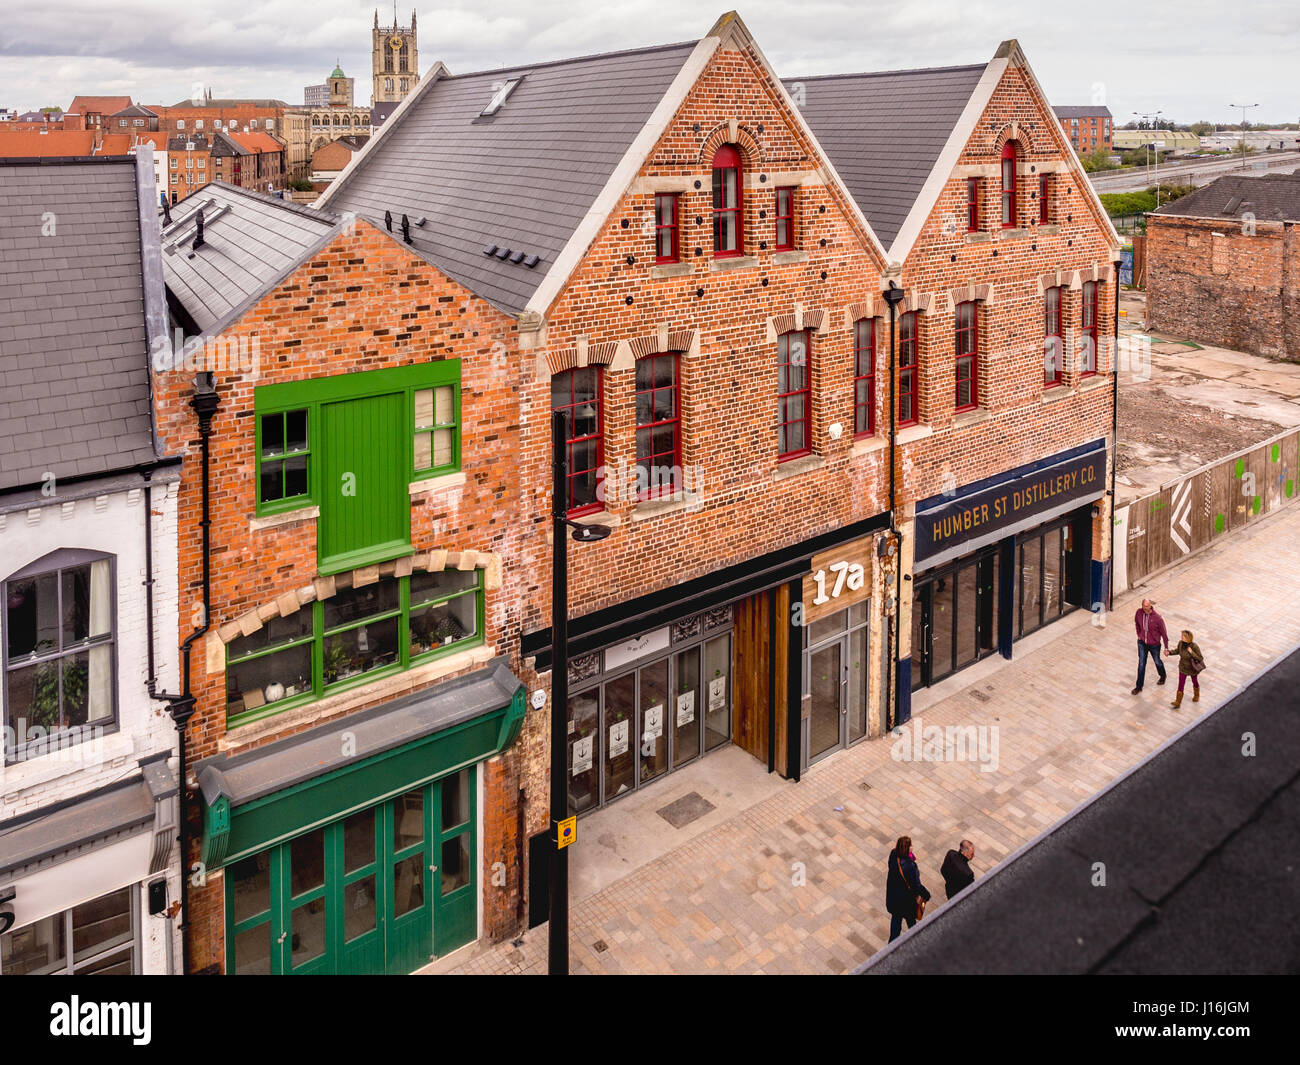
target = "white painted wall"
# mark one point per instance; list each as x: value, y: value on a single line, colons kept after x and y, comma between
x: 112, y: 523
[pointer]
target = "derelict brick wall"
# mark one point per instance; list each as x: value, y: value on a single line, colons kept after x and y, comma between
x: 1215, y: 281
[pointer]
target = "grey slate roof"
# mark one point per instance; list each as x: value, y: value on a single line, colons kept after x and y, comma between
x: 251, y: 242
x: 884, y: 132
x: 522, y: 179
x: 74, y: 386
x: 1072, y: 111
x: 1270, y: 198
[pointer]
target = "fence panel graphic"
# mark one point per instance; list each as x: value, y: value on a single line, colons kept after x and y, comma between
x: 1188, y: 514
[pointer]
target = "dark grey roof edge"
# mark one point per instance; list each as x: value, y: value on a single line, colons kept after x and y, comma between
x: 210, y: 773
x: 151, y: 277
x: 590, y: 57
x: 163, y: 471
x: 52, y: 844
x: 923, y: 928
x: 64, y: 160
x: 889, y: 73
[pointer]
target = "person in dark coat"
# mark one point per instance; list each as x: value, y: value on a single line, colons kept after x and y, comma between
x: 902, y: 886
x: 956, y: 870
x: 1189, y: 660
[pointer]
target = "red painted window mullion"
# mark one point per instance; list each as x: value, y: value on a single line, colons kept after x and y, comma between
x: 967, y: 365
x: 1052, y: 341
x: 864, y: 377
x: 908, y: 413
x: 674, y: 455
x: 784, y: 399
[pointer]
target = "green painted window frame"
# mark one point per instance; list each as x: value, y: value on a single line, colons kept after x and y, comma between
x: 284, y: 503
x: 405, y: 659
x: 420, y: 473
x: 311, y: 395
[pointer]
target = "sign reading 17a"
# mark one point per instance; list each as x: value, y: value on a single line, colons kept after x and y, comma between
x: 846, y: 573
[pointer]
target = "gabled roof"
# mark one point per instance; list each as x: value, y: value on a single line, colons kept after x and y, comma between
x: 251, y: 243
x: 379, y: 113
x: 135, y: 110
x: 884, y: 132
x: 1071, y: 111
x: 77, y: 313
x: 104, y: 105
x: 256, y: 142
x: 523, y: 179
x: 1269, y: 197
x: 270, y: 104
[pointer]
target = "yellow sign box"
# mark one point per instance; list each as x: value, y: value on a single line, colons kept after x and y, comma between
x: 567, y: 831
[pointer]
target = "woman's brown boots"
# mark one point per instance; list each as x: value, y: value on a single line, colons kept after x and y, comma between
x: 1178, y: 701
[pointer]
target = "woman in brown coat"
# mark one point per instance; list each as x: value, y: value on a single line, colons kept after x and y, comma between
x: 1188, y: 653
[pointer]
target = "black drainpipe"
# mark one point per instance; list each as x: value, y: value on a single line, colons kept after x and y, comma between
x: 1114, y: 438
x: 204, y: 403
x: 893, y: 296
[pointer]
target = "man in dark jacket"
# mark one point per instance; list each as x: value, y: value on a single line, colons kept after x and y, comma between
x: 956, y: 870
x: 902, y: 886
x: 1150, y: 633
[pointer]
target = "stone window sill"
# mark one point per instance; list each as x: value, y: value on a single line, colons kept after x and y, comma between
x: 1054, y: 393
x: 739, y: 262
x: 795, y: 467
x: 971, y: 417
x: 657, y: 508
x: 978, y: 238
x: 914, y: 432
x: 600, y: 517
x: 867, y: 445
x: 273, y: 521
x: 1049, y: 231
x: 671, y: 270
x: 785, y: 258
x: 1018, y: 233
x: 1094, y: 382
x: 437, y: 484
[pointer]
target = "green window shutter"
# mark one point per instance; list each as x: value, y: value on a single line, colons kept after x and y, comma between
x: 364, y: 502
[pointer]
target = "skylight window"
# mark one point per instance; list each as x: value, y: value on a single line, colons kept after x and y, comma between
x: 500, y: 96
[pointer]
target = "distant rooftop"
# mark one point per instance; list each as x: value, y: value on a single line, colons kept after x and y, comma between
x: 1268, y: 197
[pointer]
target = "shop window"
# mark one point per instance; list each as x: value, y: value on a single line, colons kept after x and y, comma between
x: 864, y: 377
x: 667, y: 248
x: 793, y: 395
x: 908, y: 368
x: 59, y: 653
x: 580, y: 393
x: 728, y: 204
x: 380, y: 628
x: 1009, y: 185
x: 1088, y: 330
x: 1053, y: 343
x: 658, y: 425
x: 966, y: 395
x: 96, y: 938
x: 784, y: 219
x: 972, y: 205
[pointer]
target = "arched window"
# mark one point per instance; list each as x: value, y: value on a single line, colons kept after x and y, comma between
x: 59, y: 654
x: 728, y: 210
x: 578, y: 392
x: 1009, y: 185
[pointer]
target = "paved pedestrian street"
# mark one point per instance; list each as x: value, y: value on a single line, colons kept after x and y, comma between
x: 795, y: 882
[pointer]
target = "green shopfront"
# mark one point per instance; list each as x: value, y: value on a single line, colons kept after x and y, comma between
x: 354, y: 848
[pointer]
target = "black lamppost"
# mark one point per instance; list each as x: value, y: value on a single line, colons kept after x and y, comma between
x: 893, y: 296
x: 557, y: 940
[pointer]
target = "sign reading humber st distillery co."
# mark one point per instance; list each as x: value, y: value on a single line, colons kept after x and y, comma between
x: 1009, y: 503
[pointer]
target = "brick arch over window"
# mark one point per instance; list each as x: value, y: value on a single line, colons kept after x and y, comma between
x: 735, y: 134
x: 1026, y: 140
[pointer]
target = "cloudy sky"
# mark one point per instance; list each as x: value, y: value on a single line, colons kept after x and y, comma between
x: 1189, y: 59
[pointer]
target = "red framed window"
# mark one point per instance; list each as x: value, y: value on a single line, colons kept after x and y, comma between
x: 972, y: 205
x: 784, y: 219
x: 908, y: 411
x: 1088, y: 337
x: 1044, y: 204
x: 1053, y: 345
x: 728, y: 212
x: 666, y: 239
x: 864, y: 377
x: 1009, y: 185
x: 967, y: 392
x: 579, y: 391
x: 792, y: 395
x: 658, y: 424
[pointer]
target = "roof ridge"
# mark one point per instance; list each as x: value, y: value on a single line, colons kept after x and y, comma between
x: 318, y: 214
x: 572, y: 59
x: 887, y: 73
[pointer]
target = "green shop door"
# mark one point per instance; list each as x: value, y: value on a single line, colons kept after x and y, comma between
x: 383, y: 890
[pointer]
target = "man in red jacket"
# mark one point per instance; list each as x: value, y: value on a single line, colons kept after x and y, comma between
x: 1150, y: 633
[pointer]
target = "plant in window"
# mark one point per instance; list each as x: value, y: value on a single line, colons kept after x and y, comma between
x: 338, y: 663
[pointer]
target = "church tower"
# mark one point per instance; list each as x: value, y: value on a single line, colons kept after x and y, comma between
x: 395, y: 60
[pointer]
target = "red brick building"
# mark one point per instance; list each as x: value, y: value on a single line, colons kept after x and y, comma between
x: 1088, y: 128
x: 1222, y: 265
x: 698, y: 286
x: 96, y: 110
